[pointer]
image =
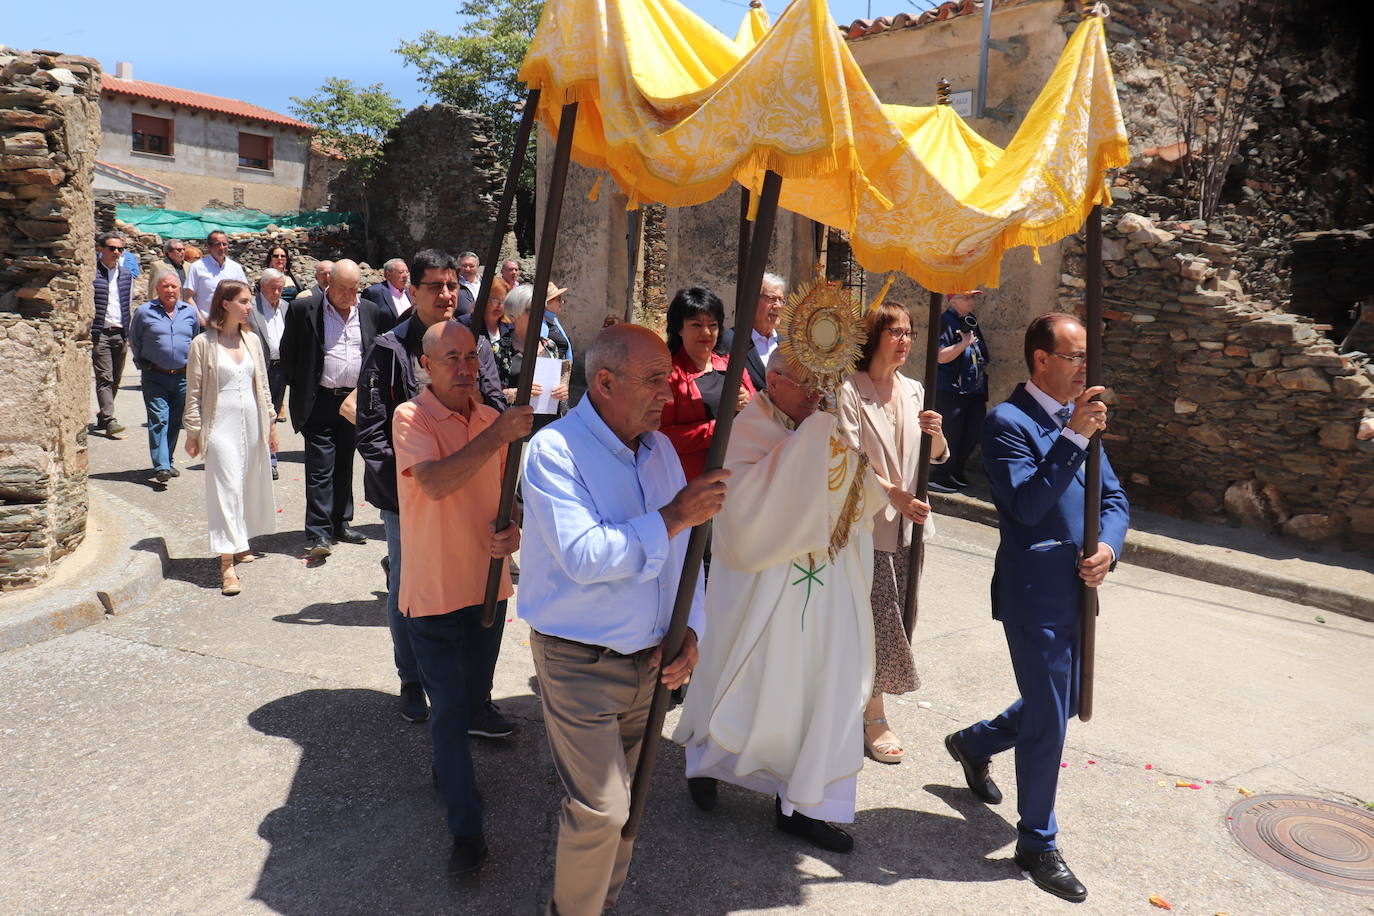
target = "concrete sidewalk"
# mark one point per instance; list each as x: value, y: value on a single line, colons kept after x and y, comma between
x: 202, y: 754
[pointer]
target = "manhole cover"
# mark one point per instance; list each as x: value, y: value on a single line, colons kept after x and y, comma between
x: 1324, y: 842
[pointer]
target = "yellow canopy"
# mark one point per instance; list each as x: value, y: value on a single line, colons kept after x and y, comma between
x: 676, y: 112
x: 752, y: 28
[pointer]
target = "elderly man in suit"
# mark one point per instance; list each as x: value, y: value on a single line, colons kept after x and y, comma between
x: 1034, y: 446
x: 764, y: 335
x: 392, y: 294
x: 469, y: 282
x: 323, y: 345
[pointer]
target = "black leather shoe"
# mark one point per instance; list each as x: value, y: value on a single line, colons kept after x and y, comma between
x: 349, y: 536
x: 413, y: 706
x: 1050, y: 873
x: 162, y: 475
x: 703, y: 790
x: 318, y: 549
x: 276, y: 475
x: 975, y: 771
x: 467, y: 855
x: 818, y: 833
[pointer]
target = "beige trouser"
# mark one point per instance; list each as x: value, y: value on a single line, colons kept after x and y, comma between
x: 596, y: 704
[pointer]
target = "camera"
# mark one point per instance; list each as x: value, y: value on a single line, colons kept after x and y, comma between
x: 968, y: 322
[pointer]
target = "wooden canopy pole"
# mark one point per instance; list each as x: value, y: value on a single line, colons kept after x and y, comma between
x: 917, y: 549
x: 746, y: 296
x: 1092, y: 497
x: 498, y: 232
x: 548, y: 244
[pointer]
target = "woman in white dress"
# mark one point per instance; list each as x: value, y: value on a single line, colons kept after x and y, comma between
x: 228, y: 418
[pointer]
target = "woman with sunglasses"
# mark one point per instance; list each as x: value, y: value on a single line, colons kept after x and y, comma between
x: 278, y: 258
x: 883, y: 411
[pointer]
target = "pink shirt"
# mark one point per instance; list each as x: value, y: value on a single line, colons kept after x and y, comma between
x: 446, y: 543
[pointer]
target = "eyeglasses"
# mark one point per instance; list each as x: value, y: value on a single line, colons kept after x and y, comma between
x: 1077, y: 359
x: 115, y: 247
x: 898, y: 334
x: 808, y: 390
x: 438, y: 286
x: 764, y: 298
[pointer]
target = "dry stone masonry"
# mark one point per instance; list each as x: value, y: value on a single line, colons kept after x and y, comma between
x: 1224, y: 408
x: 49, y: 137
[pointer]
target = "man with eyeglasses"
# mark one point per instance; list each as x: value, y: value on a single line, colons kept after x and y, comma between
x: 173, y: 261
x: 961, y: 395
x: 322, y: 347
x: 470, y: 281
x: 764, y: 335
x: 114, y: 287
x: 393, y: 372
x: 1034, y: 445
x: 207, y: 273
x: 607, y: 514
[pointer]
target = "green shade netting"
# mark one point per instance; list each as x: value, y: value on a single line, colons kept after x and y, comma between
x: 177, y: 224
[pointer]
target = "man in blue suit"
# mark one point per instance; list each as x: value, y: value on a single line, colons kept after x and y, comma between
x: 1034, y: 447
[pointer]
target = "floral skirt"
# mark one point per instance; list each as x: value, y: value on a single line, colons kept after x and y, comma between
x: 894, y: 666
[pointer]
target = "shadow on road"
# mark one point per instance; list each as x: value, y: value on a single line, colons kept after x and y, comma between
x: 367, y: 612
x: 362, y: 830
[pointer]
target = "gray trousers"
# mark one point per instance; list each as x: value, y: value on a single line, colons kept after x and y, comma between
x: 107, y: 359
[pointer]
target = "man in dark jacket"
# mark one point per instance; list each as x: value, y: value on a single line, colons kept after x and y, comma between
x: 114, y: 309
x: 323, y: 344
x: 391, y: 375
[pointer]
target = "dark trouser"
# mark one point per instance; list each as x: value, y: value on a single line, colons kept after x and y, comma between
x: 329, y: 440
x: 107, y: 359
x: 1045, y: 660
x: 961, y: 420
x: 451, y: 650
x: 164, y: 397
x: 277, y: 374
x: 401, y: 650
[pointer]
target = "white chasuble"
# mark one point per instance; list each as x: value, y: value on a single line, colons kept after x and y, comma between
x: 786, y: 662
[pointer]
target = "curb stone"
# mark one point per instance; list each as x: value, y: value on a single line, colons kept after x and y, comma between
x: 137, y: 558
x: 1155, y: 551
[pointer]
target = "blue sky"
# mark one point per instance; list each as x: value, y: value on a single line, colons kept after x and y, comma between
x: 267, y: 53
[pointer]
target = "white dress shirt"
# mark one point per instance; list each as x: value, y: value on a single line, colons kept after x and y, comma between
x: 473, y: 287
x: 765, y: 345
x: 399, y: 302
x: 114, y: 308
x: 597, y: 565
x: 343, y: 348
x: 206, y: 274
x: 274, y: 319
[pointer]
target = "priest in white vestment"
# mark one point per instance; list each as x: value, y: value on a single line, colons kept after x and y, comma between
x: 786, y: 662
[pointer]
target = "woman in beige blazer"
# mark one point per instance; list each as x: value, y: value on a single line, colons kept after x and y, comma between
x: 881, y: 410
x: 229, y: 419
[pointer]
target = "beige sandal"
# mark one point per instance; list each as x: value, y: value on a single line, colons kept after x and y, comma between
x: 245, y: 557
x: 880, y: 750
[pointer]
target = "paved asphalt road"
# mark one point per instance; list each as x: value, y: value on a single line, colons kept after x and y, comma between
x: 205, y: 754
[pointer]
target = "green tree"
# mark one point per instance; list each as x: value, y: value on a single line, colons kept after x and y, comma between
x: 353, y: 122
x: 476, y: 69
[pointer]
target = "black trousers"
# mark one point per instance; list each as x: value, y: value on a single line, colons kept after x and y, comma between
x: 329, y: 443
x: 962, y: 421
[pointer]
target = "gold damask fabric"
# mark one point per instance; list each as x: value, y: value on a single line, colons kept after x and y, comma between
x: 677, y: 112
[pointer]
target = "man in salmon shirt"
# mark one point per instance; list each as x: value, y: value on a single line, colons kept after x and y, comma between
x: 450, y: 452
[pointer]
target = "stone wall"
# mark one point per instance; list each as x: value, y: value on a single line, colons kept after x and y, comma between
x: 438, y: 186
x: 50, y: 135
x: 1225, y: 408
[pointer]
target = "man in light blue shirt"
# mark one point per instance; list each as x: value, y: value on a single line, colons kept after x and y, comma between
x: 160, y: 338
x: 607, y: 512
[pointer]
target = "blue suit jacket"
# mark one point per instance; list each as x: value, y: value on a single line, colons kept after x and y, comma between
x: 1038, y: 486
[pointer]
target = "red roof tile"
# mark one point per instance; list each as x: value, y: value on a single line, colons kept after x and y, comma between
x: 951, y: 9
x: 188, y: 99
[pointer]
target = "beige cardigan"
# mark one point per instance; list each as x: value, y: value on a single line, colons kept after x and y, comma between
x: 202, y: 386
x: 864, y: 422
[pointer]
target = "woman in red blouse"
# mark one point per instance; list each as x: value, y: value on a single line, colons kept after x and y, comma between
x: 695, y: 317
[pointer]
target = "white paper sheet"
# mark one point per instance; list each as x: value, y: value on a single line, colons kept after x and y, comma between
x: 548, y: 375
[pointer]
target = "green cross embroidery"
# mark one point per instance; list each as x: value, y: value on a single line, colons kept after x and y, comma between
x: 808, y: 576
